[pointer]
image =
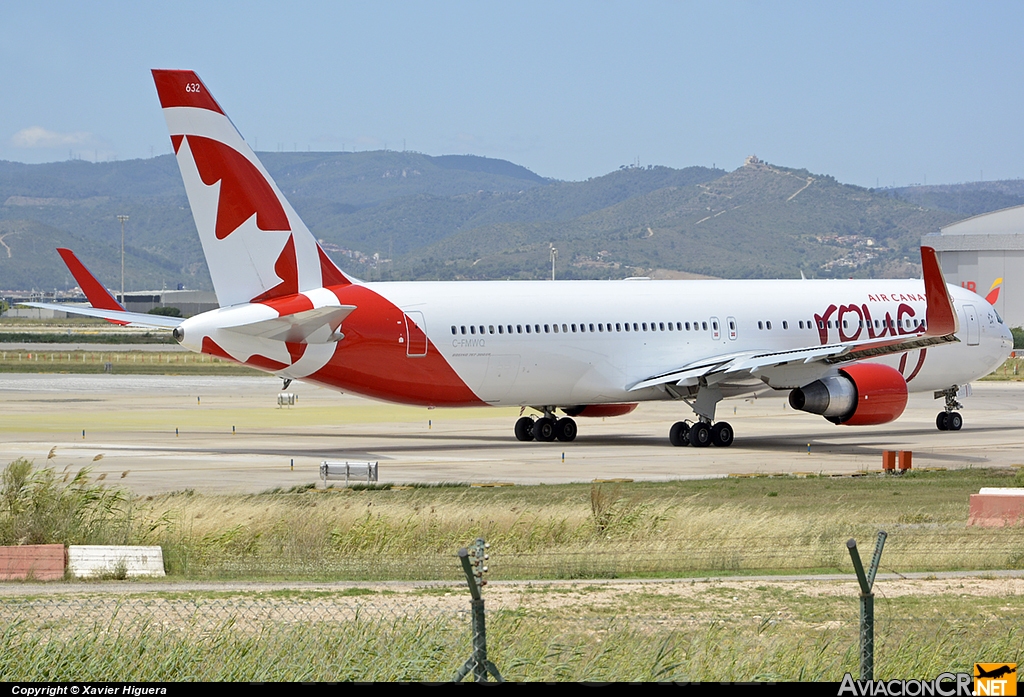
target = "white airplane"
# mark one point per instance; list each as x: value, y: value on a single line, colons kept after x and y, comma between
x: 848, y: 350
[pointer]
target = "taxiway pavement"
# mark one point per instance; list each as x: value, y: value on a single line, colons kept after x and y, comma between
x: 155, y: 434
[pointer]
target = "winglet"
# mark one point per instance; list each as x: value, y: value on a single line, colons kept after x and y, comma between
x: 940, y: 315
x: 98, y: 296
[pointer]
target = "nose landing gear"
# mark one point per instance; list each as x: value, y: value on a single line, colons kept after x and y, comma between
x: 949, y: 419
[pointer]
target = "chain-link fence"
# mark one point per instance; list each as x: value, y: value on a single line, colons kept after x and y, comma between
x: 677, y: 631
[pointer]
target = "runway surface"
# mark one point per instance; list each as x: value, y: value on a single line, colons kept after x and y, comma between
x: 130, y: 421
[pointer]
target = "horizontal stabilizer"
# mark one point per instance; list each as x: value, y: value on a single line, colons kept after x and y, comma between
x: 132, y: 319
x: 316, y: 326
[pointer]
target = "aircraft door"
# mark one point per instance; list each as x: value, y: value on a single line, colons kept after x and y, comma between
x: 731, y: 326
x: 973, y: 328
x: 415, y: 334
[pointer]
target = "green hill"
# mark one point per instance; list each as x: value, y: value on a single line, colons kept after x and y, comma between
x: 473, y: 217
x: 758, y: 221
x: 966, y: 200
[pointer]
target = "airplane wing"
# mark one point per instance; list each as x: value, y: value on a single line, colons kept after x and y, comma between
x: 104, y: 305
x: 131, y: 319
x: 797, y: 367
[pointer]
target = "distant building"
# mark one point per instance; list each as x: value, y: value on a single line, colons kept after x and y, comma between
x: 190, y: 302
x: 986, y: 255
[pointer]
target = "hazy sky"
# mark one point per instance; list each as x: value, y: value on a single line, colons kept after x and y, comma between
x: 886, y: 93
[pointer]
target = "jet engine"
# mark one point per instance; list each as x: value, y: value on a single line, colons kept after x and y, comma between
x: 862, y: 394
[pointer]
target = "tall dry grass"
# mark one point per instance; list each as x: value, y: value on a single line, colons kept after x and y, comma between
x: 572, y: 531
x: 40, y: 506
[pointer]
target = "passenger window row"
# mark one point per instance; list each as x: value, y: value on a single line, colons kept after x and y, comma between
x: 908, y: 323
x: 581, y: 328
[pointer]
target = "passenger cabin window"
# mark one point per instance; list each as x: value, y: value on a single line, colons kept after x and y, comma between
x: 785, y: 324
x: 454, y: 330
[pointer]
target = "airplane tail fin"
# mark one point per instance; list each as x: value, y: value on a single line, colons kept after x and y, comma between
x: 256, y: 246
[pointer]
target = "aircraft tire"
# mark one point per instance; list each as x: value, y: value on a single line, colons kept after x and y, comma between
x: 942, y: 421
x: 679, y: 434
x: 956, y: 422
x: 722, y: 434
x: 700, y: 435
x: 565, y: 430
x: 544, y: 429
x: 524, y: 429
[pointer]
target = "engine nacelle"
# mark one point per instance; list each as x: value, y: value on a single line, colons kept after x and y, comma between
x: 600, y: 409
x: 863, y: 394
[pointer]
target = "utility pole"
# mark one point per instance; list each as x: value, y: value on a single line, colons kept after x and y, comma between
x: 123, y: 219
x: 554, y: 254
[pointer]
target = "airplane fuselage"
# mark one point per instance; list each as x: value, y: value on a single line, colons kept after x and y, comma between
x: 563, y: 343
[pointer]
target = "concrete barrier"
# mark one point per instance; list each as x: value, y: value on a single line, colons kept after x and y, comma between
x: 115, y: 561
x: 32, y: 563
x: 994, y: 507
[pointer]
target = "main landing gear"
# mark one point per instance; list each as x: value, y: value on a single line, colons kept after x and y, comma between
x: 704, y: 399
x: 701, y: 434
x: 547, y: 428
x: 949, y: 419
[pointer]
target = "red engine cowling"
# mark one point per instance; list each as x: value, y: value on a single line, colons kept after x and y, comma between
x: 600, y: 410
x: 863, y: 394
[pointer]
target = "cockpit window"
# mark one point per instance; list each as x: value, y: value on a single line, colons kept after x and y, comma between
x: 998, y: 318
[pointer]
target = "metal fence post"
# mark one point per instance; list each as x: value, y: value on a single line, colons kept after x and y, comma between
x: 867, y: 604
x: 477, y: 662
